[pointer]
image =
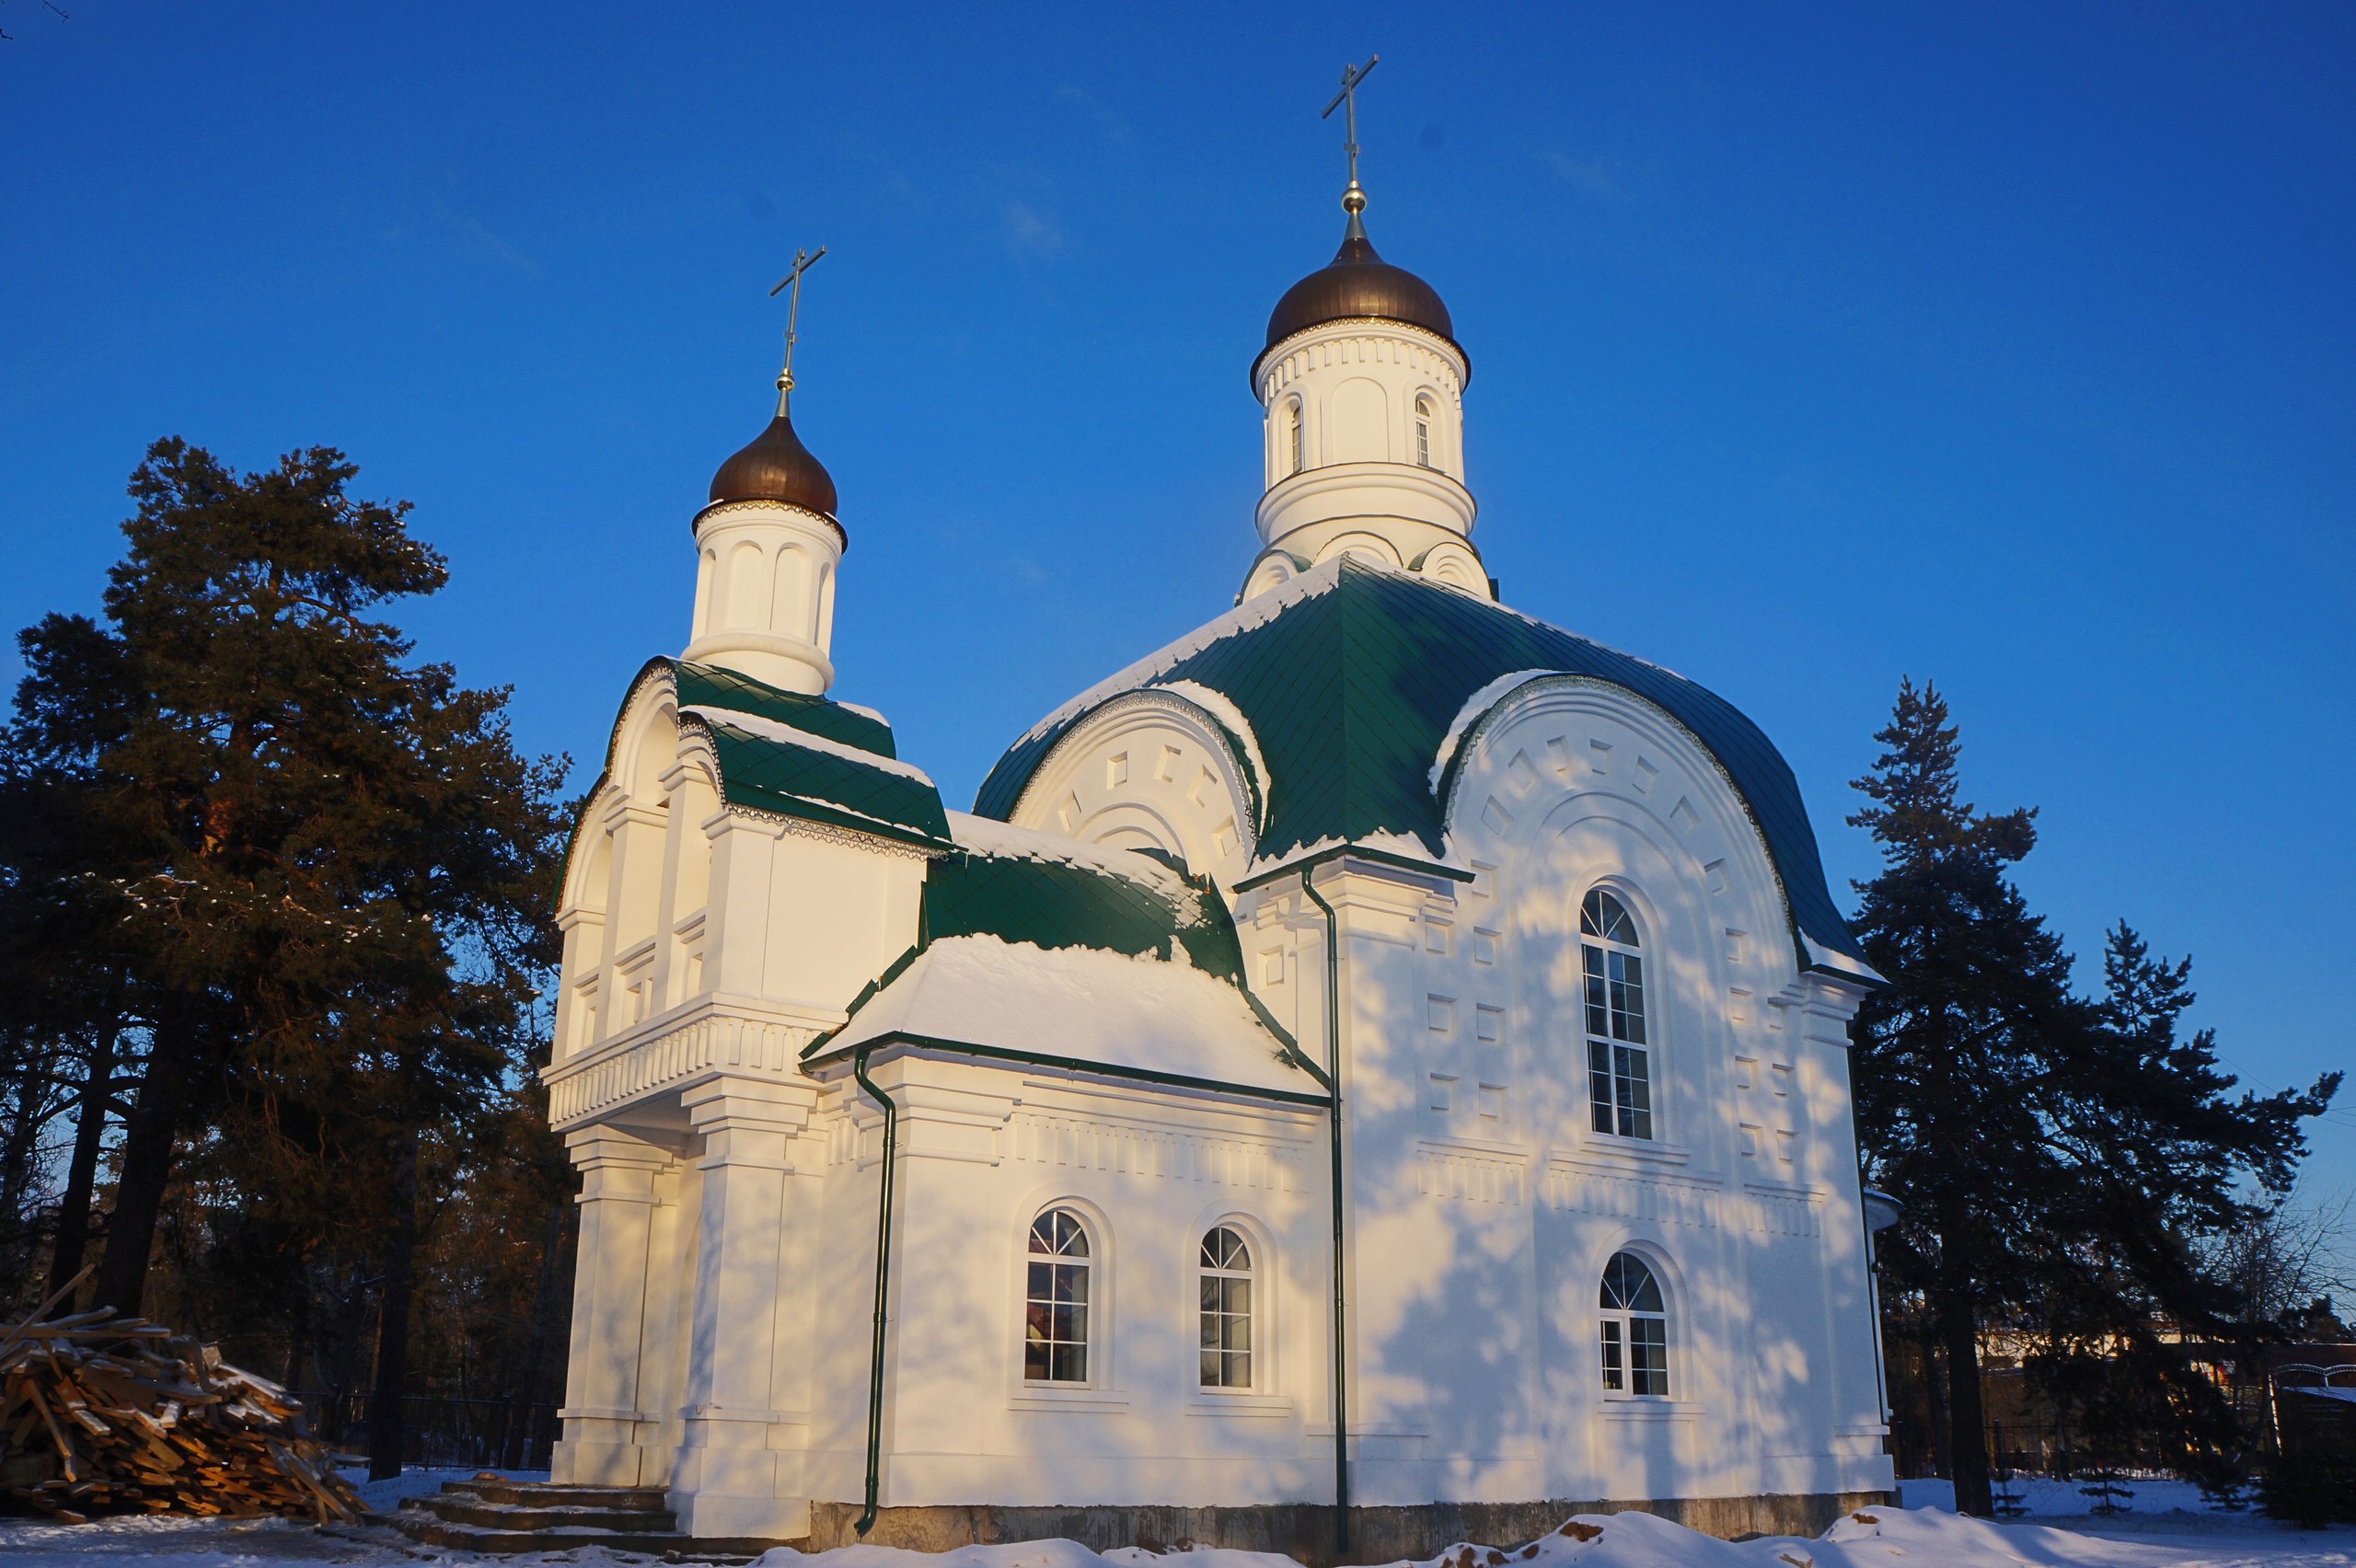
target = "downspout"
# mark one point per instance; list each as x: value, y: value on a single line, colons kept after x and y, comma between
x: 1333, y: 1127
x: 883, y: 1280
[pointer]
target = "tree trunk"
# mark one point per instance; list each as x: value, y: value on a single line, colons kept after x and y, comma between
x: 82, y: 1170
x: 147, y: 1143
x: 1967, y: 1441
x: 384, y: 1431
x: 1934, y: 1397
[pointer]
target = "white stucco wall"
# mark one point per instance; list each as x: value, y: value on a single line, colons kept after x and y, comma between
x: 725, y: 1300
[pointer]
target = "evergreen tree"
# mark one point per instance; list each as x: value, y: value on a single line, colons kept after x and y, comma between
x: 2060, y: 1160
x: 1977, y: 985
x: 333, y: 868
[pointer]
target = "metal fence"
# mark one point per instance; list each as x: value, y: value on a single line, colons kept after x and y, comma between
x: 474, y: 1433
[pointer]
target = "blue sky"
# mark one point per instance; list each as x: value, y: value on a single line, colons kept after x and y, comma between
x: 1813, y: 345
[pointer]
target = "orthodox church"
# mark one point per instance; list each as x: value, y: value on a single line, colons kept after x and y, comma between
x: 1371, y: 1073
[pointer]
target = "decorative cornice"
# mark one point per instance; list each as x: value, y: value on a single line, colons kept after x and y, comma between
x: 828, y: 833
x: 1268, y: 371
x: 724, y: 509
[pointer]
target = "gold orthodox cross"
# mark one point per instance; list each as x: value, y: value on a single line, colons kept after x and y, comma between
x: 1347, y: 101
x: 803, y: 261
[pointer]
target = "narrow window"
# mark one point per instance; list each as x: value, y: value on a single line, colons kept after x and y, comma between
x: 1227, y: 1310
x: 1295, y: 435
x: 1618, y: 1074
x: 1423, y: 431
x: 1635, y: 1329
x: 1054, y: 1327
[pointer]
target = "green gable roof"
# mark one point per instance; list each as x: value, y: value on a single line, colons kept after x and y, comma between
x: 1035, y: 890
x: 709, y: 686
x: 792, y: 754
x: 1052, y: 903
x: 772, y: 772
x: 1351, y: 677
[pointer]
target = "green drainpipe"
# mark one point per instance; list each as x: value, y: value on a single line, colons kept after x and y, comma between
x: 1334, y: 1127
x: 882, y: 1281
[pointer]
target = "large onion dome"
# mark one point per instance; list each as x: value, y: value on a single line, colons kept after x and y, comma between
x: 1359, y: 284
x: 775, y: 466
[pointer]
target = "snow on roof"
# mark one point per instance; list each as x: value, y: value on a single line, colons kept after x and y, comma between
x: 988, y: 836
x: 1480, y: 702
x: 1396, y: 846
x: 1253, y: 612
x: 764, y: 729
x: 1082, y: 1003
x: 1220, y: 706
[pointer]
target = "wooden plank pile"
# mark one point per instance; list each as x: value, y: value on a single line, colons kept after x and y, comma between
x: 108, y: 1414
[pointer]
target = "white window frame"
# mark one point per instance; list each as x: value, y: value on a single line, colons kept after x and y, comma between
x: 1088, y: 1266
x: 1604, y: 958
x: 1616, y: 1330
x: 1425, y: 412
x: 1250, y: 1276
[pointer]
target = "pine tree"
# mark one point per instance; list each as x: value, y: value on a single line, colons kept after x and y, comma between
x: 1977, y: 984
x: 2060, y: 1160
x: 334, y: 868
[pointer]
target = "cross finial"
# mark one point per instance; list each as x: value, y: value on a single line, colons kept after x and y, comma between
x: 1346, y: 101
x: 803, y: 261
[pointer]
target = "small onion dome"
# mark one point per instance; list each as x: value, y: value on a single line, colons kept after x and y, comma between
x: 1359, y: 284
x: 775, y: 466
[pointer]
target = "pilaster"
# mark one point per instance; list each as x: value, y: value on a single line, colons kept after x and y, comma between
x: 602, y: 1412
x: 731, y: 1463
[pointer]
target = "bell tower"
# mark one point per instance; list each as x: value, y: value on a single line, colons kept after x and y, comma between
x: 768, y: 546
x: 1361, y: 387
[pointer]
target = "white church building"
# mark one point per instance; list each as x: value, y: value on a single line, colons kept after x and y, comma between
x: 1380, y: 1049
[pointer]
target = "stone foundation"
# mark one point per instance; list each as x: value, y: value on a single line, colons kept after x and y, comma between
x: 1304, y: 1531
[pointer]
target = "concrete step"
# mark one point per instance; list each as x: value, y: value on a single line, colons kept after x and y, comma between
x: 670, y: 1547
x: 488, y: 1513
x: 459, y: 1508
x: 548, y: 1494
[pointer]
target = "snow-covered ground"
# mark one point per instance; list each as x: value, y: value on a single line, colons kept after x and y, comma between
x: 2164, y: 1532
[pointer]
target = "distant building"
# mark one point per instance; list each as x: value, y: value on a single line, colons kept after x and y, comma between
x: 1375, y: 964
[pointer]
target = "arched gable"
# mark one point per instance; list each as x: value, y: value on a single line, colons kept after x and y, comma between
x: 1155, y: 765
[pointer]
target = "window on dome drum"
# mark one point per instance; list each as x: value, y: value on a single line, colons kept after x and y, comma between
x: 1296, y: 437
x: 1635, y: 1329
x: 1619, y: 1075
x: 1227, y: 1310
x: 1423, y: 431
x: 1054, y: 1316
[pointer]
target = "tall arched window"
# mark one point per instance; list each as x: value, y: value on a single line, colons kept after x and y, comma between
x: 1424, y: 431
x: 1635, y: 1329
x: 1054, y: 1317
x: 1619, y: 1075
x: 1227, y: 1310
x: 1296, y: 435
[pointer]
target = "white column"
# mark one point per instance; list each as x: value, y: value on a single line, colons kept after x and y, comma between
x: 601, y: 1411
x: 725, y: 1480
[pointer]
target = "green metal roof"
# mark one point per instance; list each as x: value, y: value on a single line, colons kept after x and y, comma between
x: 709, y: 686
x: 792, y: 754
x: 1024, y: 888
x: 772, y: 773
x: 1351, y: 684
x: 1059, y: 905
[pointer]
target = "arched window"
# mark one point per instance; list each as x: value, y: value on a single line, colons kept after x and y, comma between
x: 1423, y: 431
x: 1054, y: 1316
x: 1635, y: 1329
x: 1227, y: 1310
x: 1296, y: 435
x: 1619, y: 1076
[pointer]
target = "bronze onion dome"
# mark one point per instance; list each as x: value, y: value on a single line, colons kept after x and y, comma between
x: 777, y: 467
x: 1357, y: 283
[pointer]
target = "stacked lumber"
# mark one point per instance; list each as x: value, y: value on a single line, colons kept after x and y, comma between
x: 108, y: 1414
